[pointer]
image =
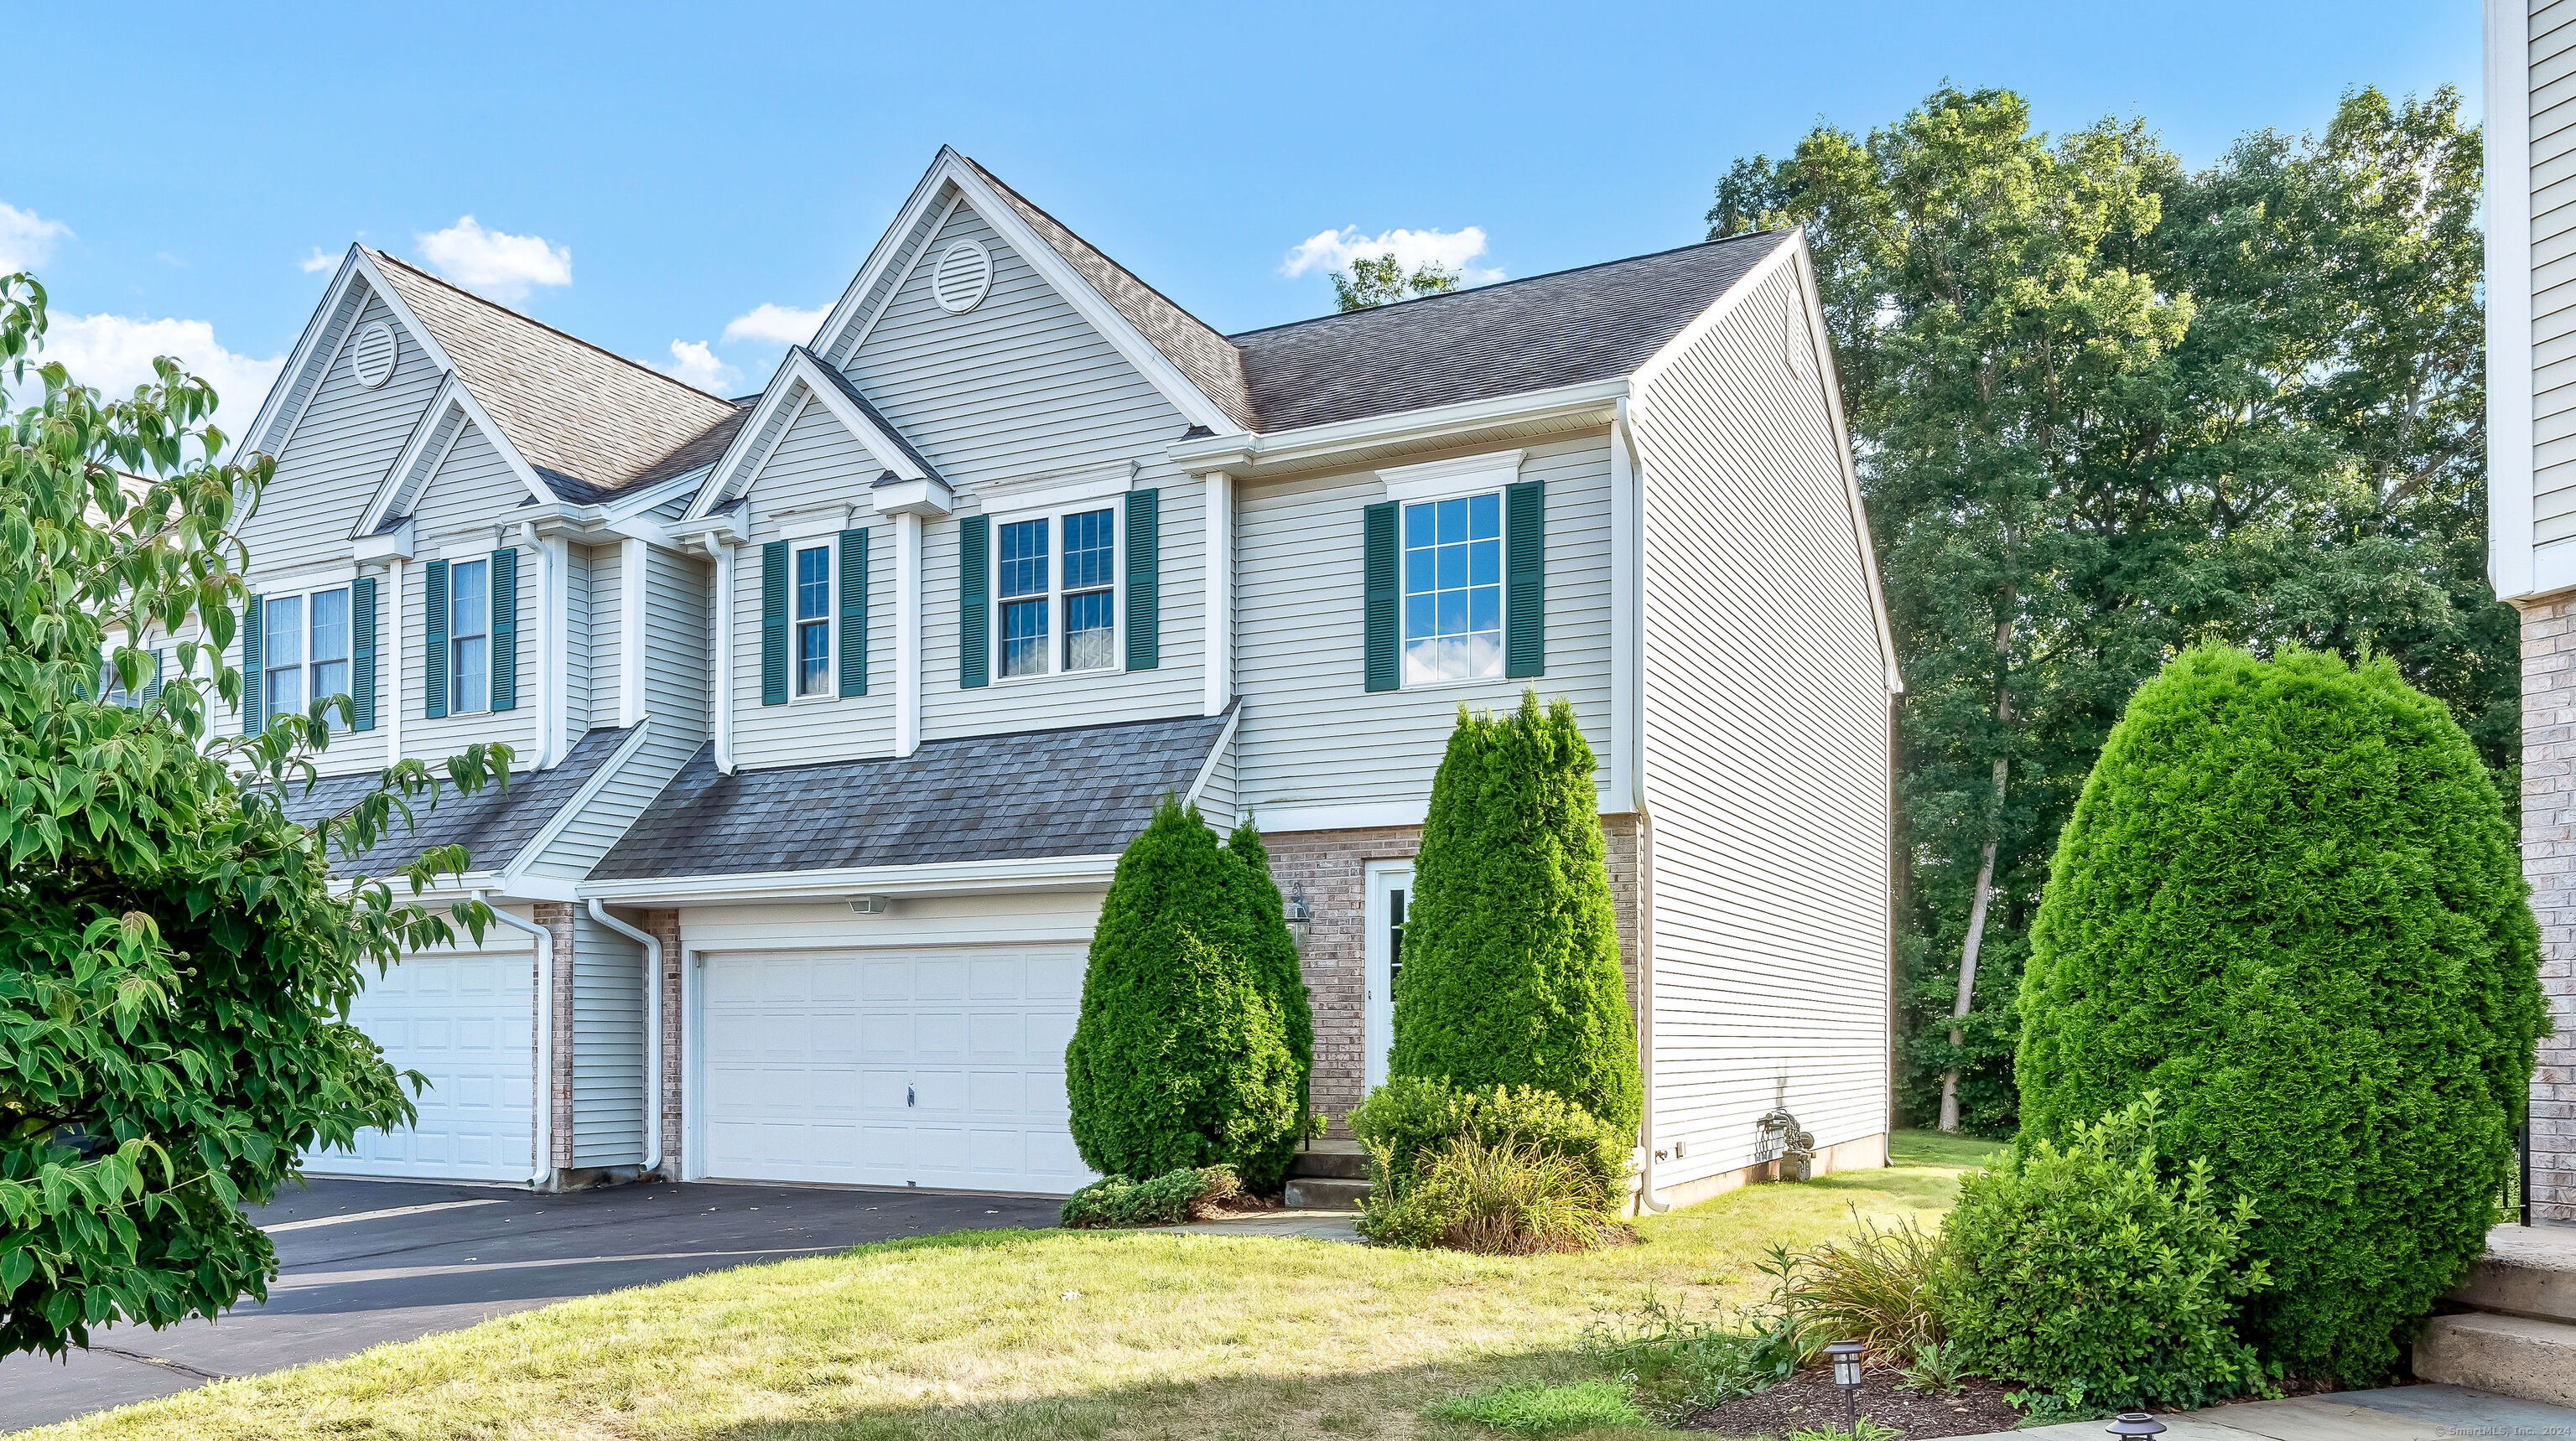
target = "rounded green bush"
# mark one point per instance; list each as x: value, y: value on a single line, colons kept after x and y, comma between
x: 2289, y: 901
x: 1511, y: 948
x: 1411, y: 1116
x: 1180, y: 1057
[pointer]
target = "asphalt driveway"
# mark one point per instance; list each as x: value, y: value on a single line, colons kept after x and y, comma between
x: 364, y: 1262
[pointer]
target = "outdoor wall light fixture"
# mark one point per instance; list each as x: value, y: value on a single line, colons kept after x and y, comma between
x: 1846, y: 1358
x: 1297, y: 908
x: 2135, y: 1423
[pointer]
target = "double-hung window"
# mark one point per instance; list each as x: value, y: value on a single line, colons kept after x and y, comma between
x: 304, y: 651
x: 814, y: 620
x: 1033, y: 592
x: 1453, y: 589
x: 469, y: 636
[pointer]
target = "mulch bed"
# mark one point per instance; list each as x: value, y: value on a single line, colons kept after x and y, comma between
x: 1811, y: 1398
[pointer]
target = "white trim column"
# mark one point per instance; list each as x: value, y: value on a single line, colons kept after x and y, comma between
x: 907, y: 633
x: 720, y: 676
x: 634, y: 567
x: 1217, y: 540
x: 389, y: 661
x: 2511, y: 567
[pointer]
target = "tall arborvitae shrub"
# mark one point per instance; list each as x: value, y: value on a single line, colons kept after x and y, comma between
x: 1274, y: 951
x: 2289, y: 901
x: 1511, y: 949
x: 1180, y: 1056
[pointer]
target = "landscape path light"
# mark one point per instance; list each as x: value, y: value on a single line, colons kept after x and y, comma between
x: 2136, y: 1423
x: 1846, y: 1358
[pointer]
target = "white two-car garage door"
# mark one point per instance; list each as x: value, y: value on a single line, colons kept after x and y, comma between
x: 937, y: 1068
x: 463, y: 1019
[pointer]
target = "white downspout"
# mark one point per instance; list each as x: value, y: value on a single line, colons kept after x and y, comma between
x: 720, y: 698
x: 1622, y: 440
x: 652, y: 945
x: 545, y: 940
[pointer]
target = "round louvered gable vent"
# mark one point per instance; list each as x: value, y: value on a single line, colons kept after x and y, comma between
x: 963, y: 276
x: 374, y: 355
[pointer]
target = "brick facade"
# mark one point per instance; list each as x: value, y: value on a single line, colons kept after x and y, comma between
x: 556, y: 917
x: 2549, y: 861
x: 664, y: 926
x: 1329, y: 867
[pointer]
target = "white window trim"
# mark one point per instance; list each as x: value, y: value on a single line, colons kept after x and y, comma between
x: 1449, y: 479
x: 831, y: 622
x: 303, y: 597
x: 807, y: 524
x: 485, y: 560
x: 1054, y: 517
x: 1491, y: 486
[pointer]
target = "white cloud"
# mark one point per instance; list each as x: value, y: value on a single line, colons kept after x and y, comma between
x: 692, y: 363
x: 1413, y: 249
x: 498, y: 264
x: 26, y: 238
x: 776, y: 324
x: 113, y: 354
x: 319, y: 260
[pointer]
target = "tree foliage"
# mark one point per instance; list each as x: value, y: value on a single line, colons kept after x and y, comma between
x: 1181, y: 1057
x: 2289, y: 902
x: 1511, y: 947
x: 1380, y: 280
x: 176, y: 963
x: 2105, y: 407
x: 1273, y: 951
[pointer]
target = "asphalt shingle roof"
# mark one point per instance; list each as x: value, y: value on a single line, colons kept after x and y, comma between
x: 589, y: 422
x: 1079, y: 791
x: 875, y: 417
x: 1596, y: 323
x: 492, y: 824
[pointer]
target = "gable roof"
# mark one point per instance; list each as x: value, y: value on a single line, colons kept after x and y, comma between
x: 1079, y: 791
x: 493, y: 825
x: 590, y: 423
x: 1191, y: 344
x: 1598, y: 322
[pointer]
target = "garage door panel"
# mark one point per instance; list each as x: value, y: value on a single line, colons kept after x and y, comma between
x: 959, y: 1080
x: 466, y: 1022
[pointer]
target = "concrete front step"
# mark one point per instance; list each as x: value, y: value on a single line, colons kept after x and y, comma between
x: 1344, y: 1159
x: 1325, y: 1193
x: 2509, y: 1355
x: 2527, y: 1271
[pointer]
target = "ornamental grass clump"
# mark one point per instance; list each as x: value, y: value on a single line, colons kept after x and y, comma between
x: 2289, y: 901
x: 1181, y: 1057
x: 1495, y: 1198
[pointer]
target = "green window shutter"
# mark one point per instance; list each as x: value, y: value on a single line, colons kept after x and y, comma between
x: 974, y: 572
x: 1525, y: 579
x: 1144, y: 575
x: 254, y: 633
x: 505, y: 629
x: 433, y: 660
x: 773, y: 623
x: 854, y: 612
x: 1380, y: 590
x: 362, y: 652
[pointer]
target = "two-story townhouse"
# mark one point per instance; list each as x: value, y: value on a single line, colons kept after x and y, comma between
x: 1014, y: 547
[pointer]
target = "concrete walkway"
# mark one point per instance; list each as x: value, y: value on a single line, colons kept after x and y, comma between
x: 2395, y: 1413
x: 1305, y: 1225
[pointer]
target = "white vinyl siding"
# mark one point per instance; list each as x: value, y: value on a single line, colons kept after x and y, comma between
x: 607, y: 1046
x: 577, y: 646
x: 1311, y: 735
x: 336, y: 457
x: 2553, y: 271
x: 607, y: 622
x: 473, y: 491
x: 1766, y: 733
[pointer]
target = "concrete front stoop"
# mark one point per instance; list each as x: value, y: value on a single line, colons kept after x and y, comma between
x: 1328, y: 1175
x: 2520, y: 1338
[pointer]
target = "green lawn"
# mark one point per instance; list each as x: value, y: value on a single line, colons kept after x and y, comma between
x: 1043, y: 1334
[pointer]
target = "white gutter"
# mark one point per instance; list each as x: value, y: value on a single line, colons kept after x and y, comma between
x: 945, y: 878
x: 545, y: 940
x: 652, y: 1030
x: 1234, y: 452
x: 1625, y: 448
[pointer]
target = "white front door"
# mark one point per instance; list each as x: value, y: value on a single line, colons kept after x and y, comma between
x: 1390, y: 885
x: 940, y: 1067
x: 466, y: 1020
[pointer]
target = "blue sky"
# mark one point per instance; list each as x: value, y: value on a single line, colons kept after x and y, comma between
x: 650, y: 177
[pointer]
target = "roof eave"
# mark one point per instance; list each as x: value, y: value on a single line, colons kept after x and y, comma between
x: 1431, y: 424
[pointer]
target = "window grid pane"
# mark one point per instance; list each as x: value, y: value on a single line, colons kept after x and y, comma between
x: 331, y: 649
x: 469, y: 614
x: 813, y: 655
x: 1453, y: 594
x: 1024, y: 637
x: 282, y: 646
x: 1024, y: 560
x: 813, y: 584
x: 1088, y: 641
x: 1089, y: 551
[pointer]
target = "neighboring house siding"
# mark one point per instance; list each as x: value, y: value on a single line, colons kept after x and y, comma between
x: 607, y: 1046
x: 815, y: 464
x: 336, y: 457
x: 1766, y: 752
x: 1311, y: 734
x: 2553, y: 270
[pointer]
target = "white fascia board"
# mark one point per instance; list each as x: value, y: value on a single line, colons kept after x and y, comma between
x: 635, y: 503
x: 394, y: 544
x: 1096, y: 485
x: 464, y: 395
x: 1376, y: 815
x: 2515, y: 567
x: 1207, y: 768
x: 946, y: 878
x: 1439, y: 479
x: 889, y: 244
x: 1237, y: 453
x: 879, y: 445
x: 731, y: 528
x: 930, y: 499
x: 305, y: 345
x: 413, y: 456
x: 536, y: 888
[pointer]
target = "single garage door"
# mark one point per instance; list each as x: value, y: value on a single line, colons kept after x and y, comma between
x: 938, y: 1068
x: 465, y: 1021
